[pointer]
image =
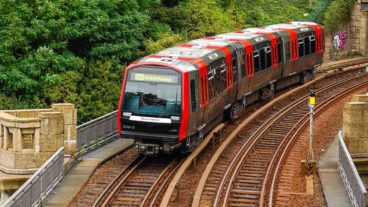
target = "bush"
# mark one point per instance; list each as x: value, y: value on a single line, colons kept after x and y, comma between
x: 339, y: 12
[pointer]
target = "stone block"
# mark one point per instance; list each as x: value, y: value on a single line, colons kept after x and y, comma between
x: 70, y: 146
x: 51, y: 143
x: 360, y: 98
x: 9, y: 160
x: 52, y: 123
x: 70, y: 114
x: 44, y: 156
x: 26, y: 114
x: 26, y: 160
x: 29, y: 123
x: 70, y: 132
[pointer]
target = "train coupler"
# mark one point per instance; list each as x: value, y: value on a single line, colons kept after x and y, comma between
x: 148, y: 149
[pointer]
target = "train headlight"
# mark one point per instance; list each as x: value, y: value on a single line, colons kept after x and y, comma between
x: 175, y: 118
x: 127, y: 114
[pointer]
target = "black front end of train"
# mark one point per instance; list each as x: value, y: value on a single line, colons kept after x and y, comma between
x: 151, y: 109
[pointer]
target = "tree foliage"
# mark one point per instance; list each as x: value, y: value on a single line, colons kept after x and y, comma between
x: 339, y: 12
x: 76, y: 51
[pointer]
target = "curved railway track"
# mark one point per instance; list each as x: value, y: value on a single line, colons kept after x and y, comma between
x: 152, y: 181
x: 242, y: 177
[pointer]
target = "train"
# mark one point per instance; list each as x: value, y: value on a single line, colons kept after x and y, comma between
x: 171, y: 99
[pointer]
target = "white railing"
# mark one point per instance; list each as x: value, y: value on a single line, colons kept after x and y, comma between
x: 350, y: 176
x: 37, y: 187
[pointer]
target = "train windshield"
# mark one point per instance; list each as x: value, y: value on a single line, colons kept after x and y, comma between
x: 153, y: 91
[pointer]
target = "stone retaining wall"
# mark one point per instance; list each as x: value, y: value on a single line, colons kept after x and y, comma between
x: 29, y: 137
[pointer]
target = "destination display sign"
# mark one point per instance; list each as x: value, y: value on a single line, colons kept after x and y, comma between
x: 159, y: 78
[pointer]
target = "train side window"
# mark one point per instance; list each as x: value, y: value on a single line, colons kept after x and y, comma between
x: 301, y: 47
x: 257, y: 66
x: 313, y: 44
x: 279, y: 52
x: 242, y: 63
x: 307, y: 46
x: 268, y: 57
x: 262, y: 57
x: 223, y: 75
x: 211, y: 83
x: 193, y: 95
x: 218, y: 80
x: 287, y: 51
x: 235, y: 67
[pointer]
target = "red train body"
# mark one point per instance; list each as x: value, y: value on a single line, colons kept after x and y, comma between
x: 171, y: 99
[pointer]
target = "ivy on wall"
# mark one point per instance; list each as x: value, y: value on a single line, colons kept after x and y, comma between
x: 339, y: 12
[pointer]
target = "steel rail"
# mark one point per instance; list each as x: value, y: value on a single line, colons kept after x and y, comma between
x: 153, y: 194
x: 232, y: 136
x: 259, y: 135
x: 292, y: 140
x: 166, y: 198
x: 107, y: 194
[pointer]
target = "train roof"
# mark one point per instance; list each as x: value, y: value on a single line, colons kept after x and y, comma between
x: 186, y: 52
x: 237, y: 35
x: 260, y: 30
x: 210, y: 42
x: 299, y: 28
x: 186, y: 57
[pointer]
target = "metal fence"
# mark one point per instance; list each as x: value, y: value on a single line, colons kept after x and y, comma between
x: 36, y: 188
x: 96, y: 132
x: 350, y: 176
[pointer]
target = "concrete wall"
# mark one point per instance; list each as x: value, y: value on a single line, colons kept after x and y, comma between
x: 355, y: 124
x: 29, y: 137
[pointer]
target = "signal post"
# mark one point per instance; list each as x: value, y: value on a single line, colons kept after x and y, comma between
x: 309, y: 166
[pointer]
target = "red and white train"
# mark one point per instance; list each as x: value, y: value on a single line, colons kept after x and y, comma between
x: 171, y: 99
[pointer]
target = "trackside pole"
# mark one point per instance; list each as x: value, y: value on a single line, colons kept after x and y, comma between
x: 309, y: 166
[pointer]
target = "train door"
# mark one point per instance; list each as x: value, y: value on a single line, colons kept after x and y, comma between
x: 194, y: 103
x: 263, y: 71
x: 233, y: 82
x: 216, y: 88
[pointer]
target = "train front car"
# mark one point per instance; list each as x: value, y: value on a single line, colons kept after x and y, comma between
x: 151, y: 105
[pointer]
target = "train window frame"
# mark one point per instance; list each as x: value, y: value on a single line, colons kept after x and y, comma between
x: 301, y: 47
x: 312, y: 40
x: 307, y: 46
x: 234, y: 67
x: 218, y: 84
x: 279, y: 53
x: 262, y: 55
x: 193, y: 102
x: 211, y: 83
x: 257, y: 64
x: 223, y: 81
x: 288, y: 51
x: 268, y: 57
x: 243, y: 69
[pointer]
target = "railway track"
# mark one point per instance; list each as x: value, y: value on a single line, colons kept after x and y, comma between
x: 112, y: 167
x: 241, y: 176
x: 150, y: 181
x: 140, y: 184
